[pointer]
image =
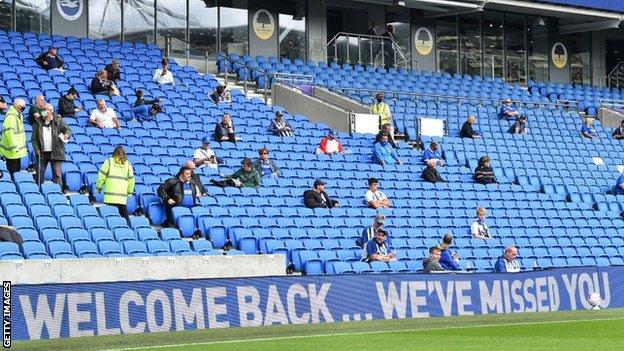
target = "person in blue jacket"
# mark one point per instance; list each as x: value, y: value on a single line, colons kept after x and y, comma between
x: 433, y: 153
x: 507, y: 263
x: 146, y: 112
x: 507, y: 111
x: 384, y: 153
x: 448, y: 259
x: 618, y: 189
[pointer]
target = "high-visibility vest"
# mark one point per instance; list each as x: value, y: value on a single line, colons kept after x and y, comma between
x: 382, y: 109
x: 118, y: 181
x: 13, y: 141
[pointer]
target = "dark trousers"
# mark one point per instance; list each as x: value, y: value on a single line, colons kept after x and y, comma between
x: 13, y: 165
x: 232, y: 137
x: 169, y: 213
x: 123, y: 211
x: 42, y: 164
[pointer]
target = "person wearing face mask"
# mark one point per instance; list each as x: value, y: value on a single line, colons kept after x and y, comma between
x: 384, y: 153
x: 13, y: 140
x: 48, y: 141
x: 381, y: 109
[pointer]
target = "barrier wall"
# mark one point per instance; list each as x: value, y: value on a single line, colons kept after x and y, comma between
x: 72, y: 310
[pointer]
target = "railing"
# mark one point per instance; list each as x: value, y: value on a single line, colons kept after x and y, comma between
x: 612, y: 103
x: 246, y: 81
x: 293, y: 78
x: 615, y: 78
x: 187, y: 50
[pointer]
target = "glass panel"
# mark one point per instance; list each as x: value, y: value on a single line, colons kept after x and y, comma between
x: 203, y: 28
x: 493, y: 44
x: 470, y: 38
x: 171, y: 21
x: 139, y: 21
x: 33, y: 16
x: 399, y: 18
x: 5, y: 14
x: 446, y: 34
x: 516, y: 50
x: 579, y: 50
x: 234, y: 22
x: 292, y: 37
x: 537, y: 40
x: 105, y: 19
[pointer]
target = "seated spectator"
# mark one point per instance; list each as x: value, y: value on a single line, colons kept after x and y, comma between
x: 246, y: 176
x: 384, y: 153
x: 36, y: 111
x: 386, y: 129
x: 318, y: 198
x: 467, y: 131
x: 618, y: 133
x: 181, y: 190
x: 163, y: 75
x: 145, y: 113
x: 430, y: 173
x: 224, y: 131
x: 369, y: 233
x: 51, y: 60
x: 432, y: 263
x: 507, y: 263
x: 102, y: 85
x: 205, y: 156
x: 330, y: 145
x: 432, y: 153
x: 484, y: 174
x: 104, y: 117
x: 221, y: 94
x: 114, y: 73
x: 67, y: 103
x: 479, y: 228
x: 266, y: 167
x: 588, y: 130
x: 140, y: 99
x: 618, y: 189
x: 507, y: 111
x: 375, y: 198
x: 448, y: 259
x: 520, y: 126
x: 3, y: 105
x: 378, y: 249
x: 280, y: 127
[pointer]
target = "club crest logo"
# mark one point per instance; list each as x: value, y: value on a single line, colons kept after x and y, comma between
x: 263, y: 24
x: 423, y: 41
x: 559, y: 55
x: 70, y: 9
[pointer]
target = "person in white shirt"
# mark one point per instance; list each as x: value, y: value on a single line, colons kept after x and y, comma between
x: 205, y: 156
x: 375, y: 198
x: 104, y: 117
x: 163, y: 75
x: 479, y: 228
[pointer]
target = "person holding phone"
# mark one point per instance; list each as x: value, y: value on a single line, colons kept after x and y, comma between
x: 163, y: 75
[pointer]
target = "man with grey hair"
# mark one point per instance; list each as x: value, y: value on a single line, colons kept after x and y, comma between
x: 48, y: 140
x: 104, y: 117
x: 430, y: 173
x: 507, y: 263
x: 35, y: 113
x: 13, y: 140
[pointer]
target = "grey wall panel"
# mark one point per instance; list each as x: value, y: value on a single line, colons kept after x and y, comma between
x: 69, y: 20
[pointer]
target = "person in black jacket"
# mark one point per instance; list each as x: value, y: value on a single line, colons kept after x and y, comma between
x: 50, y: 60
x: 224, y: 131
x: 431, y: 174
x: 467, y: 131
x: 101, y: 84
x: 484, y: 173
x: 317, y: 197
x: 181, y: 190
x: 67, y: 105
x: 48, y: 145
x: 114, y: 73
x: 386, y: 129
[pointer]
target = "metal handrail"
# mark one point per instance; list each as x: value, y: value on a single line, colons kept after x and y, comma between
x: 262, y: 72
x: 187, y: 50
x: 293, y: 78
x: 612, y: 102
x: 615, y: 72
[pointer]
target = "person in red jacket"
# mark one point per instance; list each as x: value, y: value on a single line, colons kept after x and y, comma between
x: 330, y: 145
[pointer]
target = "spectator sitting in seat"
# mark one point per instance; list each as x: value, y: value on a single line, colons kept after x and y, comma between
x: 618, y: 133
x: 430, y: 173
x: 384, y: 153
x: 432, y: 263
x: 280, y: 127
x: 467, y: 131
x: 35, y: 112
x: 618, y: 189
x: 378, y: 249
x: 448, y: 259
x: 507, y: 111
x: 266, y: 167
x: 318, y: 198
x: 140, y: 99
x: 588, y: 130
x: 246, y: 176
x: 67, y: 103
x: 101, y: 84
x: 144, y: 113
x: 114, y: 73
x: 48, y: 145
x: 507, y: 263
x: 51, y: 60
x: 104, y: 117
x: 3, y: 105
x: 163, y: 75
x: 479, y: 229
x: 369, y: 233
x: 520, y: 126
x: 181, y: 190
x: 205, y: 156
x: 432, y: 154
x: 484, y: 173
x: 381, y: 109
x: 224, y: 131
x: 330, y: 145
x: 386, y: 129
x: 221, y: 94
x: 116, y: 177
x: 375, y: 198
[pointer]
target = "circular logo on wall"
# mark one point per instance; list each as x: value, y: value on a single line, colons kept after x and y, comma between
x: 263, y: 24
x: 423, y: 40
x: 70, y: 9
x: 559, y: 55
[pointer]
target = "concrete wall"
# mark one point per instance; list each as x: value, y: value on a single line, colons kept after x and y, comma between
x: 598, y: 59
x: 340, y: 101
x: 610, y: 118
x: 316, y: 29
x: 94, y: 270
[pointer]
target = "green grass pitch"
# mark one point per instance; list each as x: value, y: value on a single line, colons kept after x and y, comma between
x: 579, y: 330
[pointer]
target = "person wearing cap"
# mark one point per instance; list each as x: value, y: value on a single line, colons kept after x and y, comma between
x: 114, y: 73
x: 467, y: 131
x: 67, y: 103
x: 13, y: 140
x: 618, y: 189
x: 330, y: 145
x: 369, y: 233
x: 430, y: 173
x: 448, y: 260
x: 520, y: 126
x: 221, y: 94
x: 266, y: 167
x: 48, y: 145
x: 384, y: 154
x: 379, y: 248
x: 507, y: 262
x: 145, y: 113
x: 386, y: 129
x: 35, y: 112
x: 507, y: 111
x: 484, y: 174
x: 104, y: 117
x: 432, y: 153
x: 381, y: 109
x: 205, y: 156
x: 588, y: 130
x: 246, y: 175
x: 374, y: 197
x: 50, y: 60
x: 318, y: 198
x: 280, y: 127
x: 163, y: 75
